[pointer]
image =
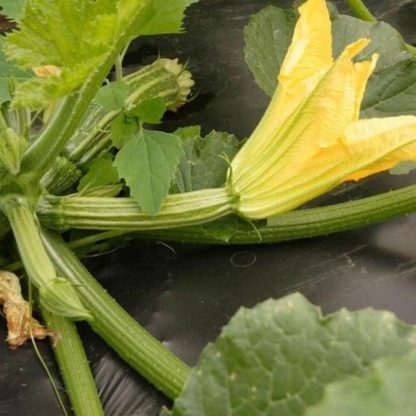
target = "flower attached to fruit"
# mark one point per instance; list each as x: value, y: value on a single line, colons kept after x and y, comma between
x: 310, y: 139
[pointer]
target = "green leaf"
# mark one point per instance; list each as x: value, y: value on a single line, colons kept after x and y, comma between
x: 267, y: 38
x: 386, y: 391
x: 168, y: 17
x: 101, y: 173
x: 113, y: 95
x: 60, y: 297
x: 148, y: 163
x: 277, y: 358
x: 9, y: 73
x: 149, y: 111
x: 12, y: 148
x: 403, y: 168
x: 224, y: 228
x: 391, y: 89
x: 123, y: 129
x: 74, y: 37
x: 204, y: 163
x: 12, y: 8
x: 188, y: 132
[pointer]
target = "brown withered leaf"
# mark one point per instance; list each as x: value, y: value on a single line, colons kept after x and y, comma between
x: 21, y: 325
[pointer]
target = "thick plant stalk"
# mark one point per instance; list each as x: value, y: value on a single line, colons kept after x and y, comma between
x: 75, y: 370
x: 306, y: 223
x: 63, y: 213
x: 55, y: 294
x: 132, y: 342
x: 125, y: 217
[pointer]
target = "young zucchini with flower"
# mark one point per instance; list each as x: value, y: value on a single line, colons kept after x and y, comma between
x: 309, y: 141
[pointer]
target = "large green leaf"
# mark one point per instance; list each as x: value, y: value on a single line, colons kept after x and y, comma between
x: 386, y: 391
x: 277, y: 358
x: 391, y: 89
x: 72, y: 37
x: 9, y: 73
x: 168, y: 17
x: 267, y: 38
x: 204, y: 163
x: 100, y: 173
x: 148, y: 163
x: 12, y: 8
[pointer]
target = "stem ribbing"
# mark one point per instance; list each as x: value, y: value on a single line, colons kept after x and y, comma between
x: 63, y: 213
x: 75, y: 370
x: 132, y: 342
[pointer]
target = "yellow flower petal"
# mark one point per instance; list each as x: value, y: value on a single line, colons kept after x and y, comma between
x: 369, y: 147
x: 364, y: 70
x: 307, y: 60
x: 311, y: 47
x: 380, y: 144
x: 319, y: 122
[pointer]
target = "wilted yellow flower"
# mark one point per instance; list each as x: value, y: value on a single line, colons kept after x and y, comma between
x: 310, y: 139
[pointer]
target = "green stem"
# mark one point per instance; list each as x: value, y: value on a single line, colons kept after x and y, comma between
x: 74, y: 367
x: 291, y: 226
x: 132, y: 342
x: 93, y: 242
x: 307, y: 223
x: 63, y: 213
x: 56, y: 294
x: 118, y: 64
x: 126, y: 217
x: 362, y: 12
x: 33, y: 254
x: 40, y: 156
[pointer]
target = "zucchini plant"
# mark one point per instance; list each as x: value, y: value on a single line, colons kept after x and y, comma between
x: 80, y: 149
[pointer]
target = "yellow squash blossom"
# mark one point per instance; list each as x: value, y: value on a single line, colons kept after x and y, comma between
x: 310, y: 139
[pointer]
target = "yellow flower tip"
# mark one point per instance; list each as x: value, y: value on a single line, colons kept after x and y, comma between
x: 353, y: 49
x: 47, y: 71
x: 363, y: 71
x: 311, y: 46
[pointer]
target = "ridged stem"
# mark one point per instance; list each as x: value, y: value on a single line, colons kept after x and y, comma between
x: 73, y: 364
x: 132, y: 342
x: 26, y: 233
x: 63, y: 213
x: 55, y: 294
x: 305, y: 223
x: 294, y: 225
